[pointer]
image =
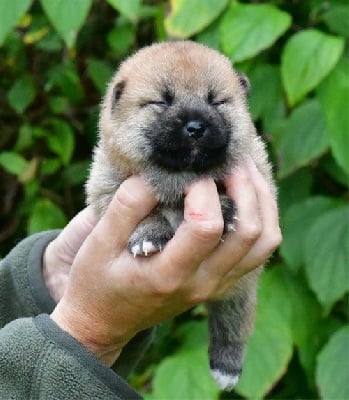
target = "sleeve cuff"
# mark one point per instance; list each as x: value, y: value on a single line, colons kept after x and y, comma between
x: 85, y: 358
x: 37, y: 286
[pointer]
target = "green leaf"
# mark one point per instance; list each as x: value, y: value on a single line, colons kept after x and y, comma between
x: 46, y: 215
x: 193, y: 334
x: 333, y: 369
x: 100, y: 72
x: 270, y: 347
x: 296, y: 223
x: 307, y: 58
x: 185, y: 376
x: 337, y: 19
x: 61, y: 140
x: 121, y: 37
x: 305, y: 138
x: 22, y: 93
x: 128, y: 8
x: 50, y: 166
x: 66, y: 78
x: 247, y: 29
x: 25, y: 138
x: 67, y: 17
x: 13, y: 162
x: 10, y: 13
x: 76, y: 173
x: 187, y: 18
x: 211, y: 36
x: 265, y: 78
x: 333, y: 94
x: 294, y: 188
x: 327, y: 256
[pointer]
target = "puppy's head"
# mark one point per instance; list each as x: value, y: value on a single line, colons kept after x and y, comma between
x: 178, y: 107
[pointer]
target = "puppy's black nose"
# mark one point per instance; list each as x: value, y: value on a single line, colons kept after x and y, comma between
x: 194, y: 129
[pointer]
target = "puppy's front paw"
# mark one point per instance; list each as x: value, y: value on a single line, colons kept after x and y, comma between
x: 147, y: 240
x: 145, y: 247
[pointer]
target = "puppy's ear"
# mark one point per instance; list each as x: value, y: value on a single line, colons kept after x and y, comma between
x: 244, y: 82
x: 117, y: 92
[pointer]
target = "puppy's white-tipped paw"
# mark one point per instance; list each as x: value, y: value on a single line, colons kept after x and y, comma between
x: 136, y: 250
x: 148, y: 247
x: 224, y: 381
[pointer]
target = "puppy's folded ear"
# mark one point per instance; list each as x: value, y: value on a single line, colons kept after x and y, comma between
x: 117, y: 92
x: 244, y: 82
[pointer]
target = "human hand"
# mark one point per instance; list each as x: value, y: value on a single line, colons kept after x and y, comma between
x: 111, y: 295
x: 60, y: 253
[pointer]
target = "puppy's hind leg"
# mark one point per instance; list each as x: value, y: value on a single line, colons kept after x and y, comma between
x: 230, y: 324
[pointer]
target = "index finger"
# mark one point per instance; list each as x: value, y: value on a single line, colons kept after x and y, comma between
x: 199, y: 233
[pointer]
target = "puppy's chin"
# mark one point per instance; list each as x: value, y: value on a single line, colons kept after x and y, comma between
x: 194, y: 158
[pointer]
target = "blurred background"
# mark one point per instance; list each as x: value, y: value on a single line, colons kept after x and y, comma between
x: 55, y: 59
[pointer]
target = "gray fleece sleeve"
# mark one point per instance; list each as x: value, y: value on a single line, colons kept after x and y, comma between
x: 40, y: 361
x: 28, y: 344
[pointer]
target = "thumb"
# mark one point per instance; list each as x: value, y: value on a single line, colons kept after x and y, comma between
x: 74, y: 234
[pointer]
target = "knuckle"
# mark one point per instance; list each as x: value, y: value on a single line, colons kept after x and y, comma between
x: 165, y: 288
x: 274, y: 240
x: 209, y: 229
x: 125, y: 199
x: 251, y: 232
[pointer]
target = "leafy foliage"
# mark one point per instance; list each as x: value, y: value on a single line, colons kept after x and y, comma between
x: 56, y: 57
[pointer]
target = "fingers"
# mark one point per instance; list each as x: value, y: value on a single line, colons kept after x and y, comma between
x: 239, y: 187
x: 132, y: 202
x: 270, y: 236
x: 257, y: 232
x: 197, y: 236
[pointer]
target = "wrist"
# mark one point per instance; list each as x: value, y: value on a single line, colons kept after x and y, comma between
x: 88, y: 333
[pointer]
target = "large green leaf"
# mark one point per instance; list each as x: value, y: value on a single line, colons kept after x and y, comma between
x: 295, y: 224
x: 22, y: 93
x: 337, y: 19
x: 333, y: 368
x: 327, y: 256
x: 247, y: 29
x: 187, y: 18
x: 128, y: 8
x: 270, y: 347
x: 333, y: 94
x: 11, y: 12
x: 100, y: 72
x: 185, y: 376
x: 304, y: 139
x: 45, y: 215
x: 307, y: 58
x: 67, y: 17
x: 265, y: 78
x: 65, y: 77
x: 61, y: 139
x: 12, y: 162
x: 309, y: 327
x: 294, y: 188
